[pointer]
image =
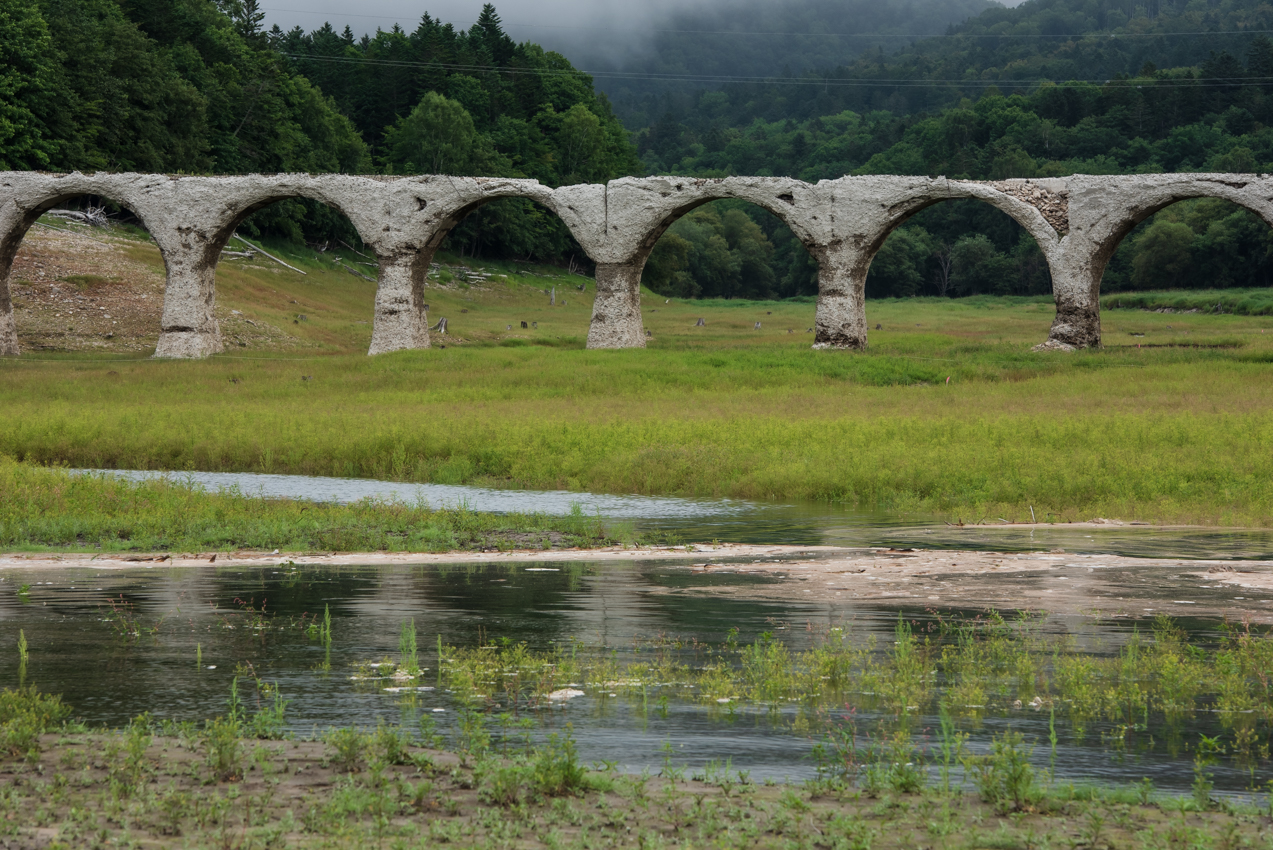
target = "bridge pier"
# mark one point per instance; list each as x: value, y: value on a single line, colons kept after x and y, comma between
x: 1077, y: 323
x: 840, y: 321
x: 12, y: 227
x: 8, y: 330
x: 401, y: 320
x: 188, y: 328
x: 616, y: 314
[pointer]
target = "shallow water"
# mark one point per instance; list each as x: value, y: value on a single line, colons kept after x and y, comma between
x: 741, y: 521
x: 75, y: 650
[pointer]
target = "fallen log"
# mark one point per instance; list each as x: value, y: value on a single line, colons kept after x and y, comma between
x: 93, y: 216
x: 266, y: 253
x: 356, y: 273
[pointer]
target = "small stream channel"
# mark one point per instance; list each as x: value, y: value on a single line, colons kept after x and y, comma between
x: 741, y: 521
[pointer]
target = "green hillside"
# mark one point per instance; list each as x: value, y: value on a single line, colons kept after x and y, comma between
x: 1051, y: 88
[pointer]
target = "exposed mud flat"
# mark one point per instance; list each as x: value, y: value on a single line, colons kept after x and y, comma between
x: 85, y: 292
x: 1108, y: 586
x: 77, y: 288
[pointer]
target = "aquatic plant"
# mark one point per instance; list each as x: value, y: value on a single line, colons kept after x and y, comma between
x: 408, y: 662
x: 135, y: 786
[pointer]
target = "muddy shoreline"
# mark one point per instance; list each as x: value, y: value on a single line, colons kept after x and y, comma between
x: 1056, y: 582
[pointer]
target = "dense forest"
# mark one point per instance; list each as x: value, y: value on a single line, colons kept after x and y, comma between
x: 967, y: 105
x: 1052, y: 87
x: 198, y: 86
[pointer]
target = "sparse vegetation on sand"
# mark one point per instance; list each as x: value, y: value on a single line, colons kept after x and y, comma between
x: 43, y: 509
x: 512, y: 774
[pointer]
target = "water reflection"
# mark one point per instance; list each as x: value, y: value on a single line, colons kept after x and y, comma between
x: 198, y: 628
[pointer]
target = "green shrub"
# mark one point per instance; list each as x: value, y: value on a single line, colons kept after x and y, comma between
x: 25, y: 715
x: 224, y: 744
x: 1004, y: 777
x: 350, y: 747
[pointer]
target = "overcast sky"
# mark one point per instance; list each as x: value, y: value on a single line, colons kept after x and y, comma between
x: 596, y: 35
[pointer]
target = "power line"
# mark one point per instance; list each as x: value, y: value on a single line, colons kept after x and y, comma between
x: 1196, y: 82
x: 628, y: 30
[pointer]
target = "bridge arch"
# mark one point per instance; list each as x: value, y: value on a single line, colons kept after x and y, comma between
x: 1027, y: 215
x: 20, y: 214
x: 639, y: 212
x: 402, y: 220
x: 1246, y: 191
x: 989, y: 215
x: 870, y: 208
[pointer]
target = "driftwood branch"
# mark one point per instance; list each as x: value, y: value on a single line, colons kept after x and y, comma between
x: 93, y: 216
x: 356, y: 273
x: 243, y: 255
x: 352, y: 248
x: 267, y: 253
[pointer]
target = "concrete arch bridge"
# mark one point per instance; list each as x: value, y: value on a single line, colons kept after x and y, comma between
x: 1077, y: 221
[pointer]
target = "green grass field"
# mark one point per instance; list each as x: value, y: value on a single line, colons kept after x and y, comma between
x: 1171, y: 421
x: 1244, y: 302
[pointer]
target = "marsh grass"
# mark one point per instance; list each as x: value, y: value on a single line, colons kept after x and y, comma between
x: 1164, y: 435
x: 44, y: 509
x: 147, y: 785
x: 1147, y: 694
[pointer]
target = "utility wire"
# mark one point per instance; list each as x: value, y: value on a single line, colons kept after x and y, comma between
x: 826, y: 82
x: 629, y: 30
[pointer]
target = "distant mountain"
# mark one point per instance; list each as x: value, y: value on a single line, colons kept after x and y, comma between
x: 751, y: 38
x: 1014, y: 49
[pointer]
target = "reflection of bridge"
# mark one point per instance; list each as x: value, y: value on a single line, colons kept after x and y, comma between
x: 1077, y: 221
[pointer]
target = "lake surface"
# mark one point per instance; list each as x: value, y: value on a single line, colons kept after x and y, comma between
x: 197, y: 635
x: 740, y: 521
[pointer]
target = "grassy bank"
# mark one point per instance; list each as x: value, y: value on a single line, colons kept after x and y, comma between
x: 42, y: 509
x: 1156, y: 434
x: 1242, y: 302
x: 1169, y: 422
x: 182, y: 785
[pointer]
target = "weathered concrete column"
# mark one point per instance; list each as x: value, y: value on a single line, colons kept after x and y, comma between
x: 840, y: 322
x: 189, y: 326
x: 8, y: 330
x: 401, y: 320
x: 616, y: 314
x: 1076, y: 286
x: 13, y: 225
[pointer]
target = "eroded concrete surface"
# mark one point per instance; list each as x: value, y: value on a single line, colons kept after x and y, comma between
x: 1108, y: 586
x: 1077, y: 221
